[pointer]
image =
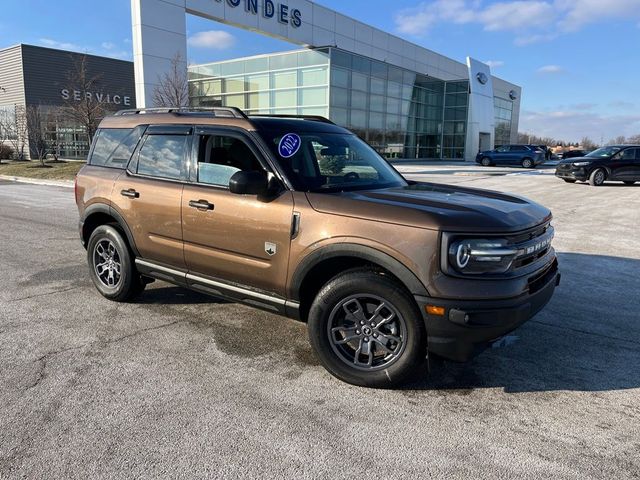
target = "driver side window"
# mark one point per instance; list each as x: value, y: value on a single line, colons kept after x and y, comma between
x: 628, y: 154
x: 220, y: 156
x: 502, y: 149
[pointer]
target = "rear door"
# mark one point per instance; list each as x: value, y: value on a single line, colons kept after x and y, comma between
x: 235, y: 238
x: 501, y: 155
x: 149, y: 194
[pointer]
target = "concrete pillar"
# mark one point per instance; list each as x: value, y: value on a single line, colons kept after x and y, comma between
x: 481, y: 115
x: 159, y: 34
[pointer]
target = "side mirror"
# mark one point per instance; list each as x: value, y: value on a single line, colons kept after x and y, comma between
x: 249, y: 183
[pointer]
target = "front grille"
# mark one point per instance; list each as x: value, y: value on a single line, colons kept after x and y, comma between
x: 532, y: 245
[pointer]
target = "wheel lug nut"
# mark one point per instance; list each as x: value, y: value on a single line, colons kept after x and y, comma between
x: 357, y: 332
x: 361, y: 322
x: 366, y: 339
x: 375, y: 335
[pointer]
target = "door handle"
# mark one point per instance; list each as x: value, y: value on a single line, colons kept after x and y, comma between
x: 201, y: 204
x: 131, y: 193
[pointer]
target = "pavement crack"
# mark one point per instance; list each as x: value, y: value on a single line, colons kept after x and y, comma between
x: 36, y: 295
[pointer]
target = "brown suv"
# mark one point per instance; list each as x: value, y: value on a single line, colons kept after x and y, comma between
x: 300, y: 217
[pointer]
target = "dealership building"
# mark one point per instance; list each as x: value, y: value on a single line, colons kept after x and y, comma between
x: 45, y: 77
x: 406, y: 100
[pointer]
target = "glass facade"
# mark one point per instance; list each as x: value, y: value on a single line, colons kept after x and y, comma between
x: 503, y: 115
x: 401, y: 113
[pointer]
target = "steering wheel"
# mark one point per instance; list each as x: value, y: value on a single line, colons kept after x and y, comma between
x: 351, y: 176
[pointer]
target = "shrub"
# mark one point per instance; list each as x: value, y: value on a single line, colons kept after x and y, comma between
x: 6, y: 152
x: 332, y: 165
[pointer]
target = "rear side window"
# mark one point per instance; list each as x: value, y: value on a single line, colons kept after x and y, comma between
x: 163, y: 156
x: 519, y: 148
x: 114, y: 146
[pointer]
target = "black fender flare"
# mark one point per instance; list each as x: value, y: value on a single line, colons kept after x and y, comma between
x: 106, y: 209
x: 386, y: 261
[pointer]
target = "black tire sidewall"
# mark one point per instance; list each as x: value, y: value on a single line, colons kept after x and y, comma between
x: 485, y: 161
x: 592, y: 177
x: 367, y: 282
x: 524, y: 163
x: 130, y: 282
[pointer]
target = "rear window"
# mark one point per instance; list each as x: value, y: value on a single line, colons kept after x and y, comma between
x: 113, y: 146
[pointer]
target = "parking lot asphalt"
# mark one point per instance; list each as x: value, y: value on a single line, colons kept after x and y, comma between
x: 178, y: 385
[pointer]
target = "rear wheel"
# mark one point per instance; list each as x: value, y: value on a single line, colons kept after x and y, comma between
x: 367, y: 330
x: 485, y: 161
x: 569, y: 180
x: 527, y: 163
x: 111, y: 265
x: 629, y: 182
x: 597, y: 177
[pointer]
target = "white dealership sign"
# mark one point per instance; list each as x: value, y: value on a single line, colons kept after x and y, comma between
x: 100, y: 97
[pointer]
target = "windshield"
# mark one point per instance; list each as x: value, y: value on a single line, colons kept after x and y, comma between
x: 604, y: 152
x: 330, y: 162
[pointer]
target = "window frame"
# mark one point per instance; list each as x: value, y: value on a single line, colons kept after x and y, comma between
x: 184, y: 130
x: 123, y: 166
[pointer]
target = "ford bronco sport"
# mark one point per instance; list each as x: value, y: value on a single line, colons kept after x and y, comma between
x: 298, y: 216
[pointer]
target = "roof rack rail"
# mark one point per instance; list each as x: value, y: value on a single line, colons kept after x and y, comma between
x: 214, y: 111
x: 315, y: 118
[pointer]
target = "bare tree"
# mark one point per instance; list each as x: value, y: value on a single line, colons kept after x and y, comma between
x: 84, y: 106
x: 635, y: 139
x: 13, y: 128
x: 172, y: 89
x: 588, y: 144
x: 36, y: 131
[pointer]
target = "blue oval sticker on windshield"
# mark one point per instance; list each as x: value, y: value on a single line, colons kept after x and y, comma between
x: 289, y: 145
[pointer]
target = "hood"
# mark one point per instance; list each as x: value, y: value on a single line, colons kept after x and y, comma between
x: 438, y: 207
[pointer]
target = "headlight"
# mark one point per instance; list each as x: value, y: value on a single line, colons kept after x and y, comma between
x: 581, y: 164
x: 475, y: 256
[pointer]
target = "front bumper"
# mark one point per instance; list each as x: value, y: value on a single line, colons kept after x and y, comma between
x: 573, y: 173
x: 468, y: 327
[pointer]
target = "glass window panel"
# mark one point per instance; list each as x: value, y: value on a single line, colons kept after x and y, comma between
x: 340, y: 77
x: 279, y: 62
x: 259, y: 100
x: 376, y: 121
x: 256, y: 65
x: 448, y: 128
x: 234, y: 85
x: 361, y: 64
x: 408, y: 77
x: 407, y: 92
x: 285, y: 111
x: 405, y: 108
x: 285, y: 98
x: 394, y: 89
x: 340, y: 97
x: 209, y: 70
x: 163, y: 156
x: 393, y: 105
x: 358, y: 119
x: 312, y: 57
x: 378, y: 86
x: 358, y: 100
x: 313, y: 96
x: 359, y: 82
x: 339, y: 116
x: 231, y: 68
x: 284, y: 79
x: 321, y: 111
x: 313, y: 76
x: 395, y: 74
x: 376, y: 103
x: 459, y: 127
x: 378, y: 69
x: 234, y: 101
x: 393, y: 122
x: 257, y: 82
x: 340, y: 58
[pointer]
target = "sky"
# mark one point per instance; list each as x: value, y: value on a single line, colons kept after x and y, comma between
x: 578, y: 61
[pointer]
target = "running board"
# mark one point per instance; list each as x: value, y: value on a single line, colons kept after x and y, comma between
x: 217, y: 288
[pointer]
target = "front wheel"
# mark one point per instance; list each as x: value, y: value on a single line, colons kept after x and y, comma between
x: 367, y: 330
x: 485, y: 161
x: 597, y: 177
x: 527, y: 163
x: 111, y: 265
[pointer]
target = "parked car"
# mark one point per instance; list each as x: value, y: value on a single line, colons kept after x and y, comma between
x: 573, y: 154
x: 528, y: 156
x: 619, y: 163
x: 298, y: 216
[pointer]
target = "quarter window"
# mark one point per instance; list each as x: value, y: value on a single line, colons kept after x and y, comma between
x: 163, y: 156
x: 114, y: 146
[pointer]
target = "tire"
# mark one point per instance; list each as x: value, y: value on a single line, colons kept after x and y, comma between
x: 527, y: 163
x: 118, y: 280
x: 569, y: 180
x: 597, y: 177
x: 629, y: 182
x: 387, y: 354
x: 485, y: 161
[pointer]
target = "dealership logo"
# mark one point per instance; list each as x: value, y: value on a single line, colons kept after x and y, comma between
x: 513, y: 95
x: 77, y: 96
x: 482, y: 78
x: 270, y: 9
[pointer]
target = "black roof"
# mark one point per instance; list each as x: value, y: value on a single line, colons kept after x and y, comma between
x: 295, y: 124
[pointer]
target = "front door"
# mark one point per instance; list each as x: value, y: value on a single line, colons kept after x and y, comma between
x: 623, y: 164
x: 239, y: 238
x: 149, y: 194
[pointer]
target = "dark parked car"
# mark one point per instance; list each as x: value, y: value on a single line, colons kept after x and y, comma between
x: 574, y: 154
x: 529, y: 156
x: 619, y: 163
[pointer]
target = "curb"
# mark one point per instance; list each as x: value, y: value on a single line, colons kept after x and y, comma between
x: 38, y: 181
